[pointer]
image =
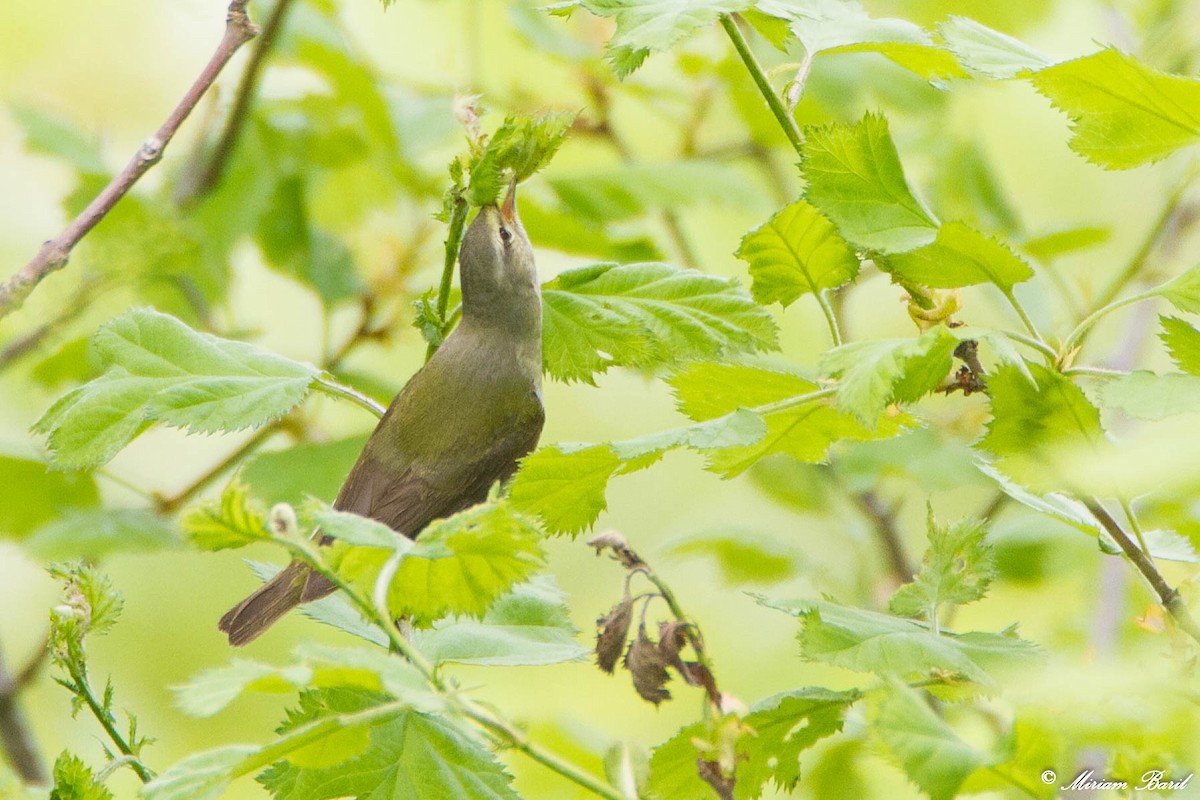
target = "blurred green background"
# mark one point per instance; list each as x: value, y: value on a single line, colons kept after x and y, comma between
x: 113, y: 71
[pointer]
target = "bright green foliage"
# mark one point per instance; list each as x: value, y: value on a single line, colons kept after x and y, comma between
x: 312, y: 469
x: 960, y: 256
x: 855, y: 179
x: 1183, y: 342
x: 43, y: 494
x: 743, y: 557
x: 958, y: 568
x: 868, y: 641
x: 1123, y: 113
x: 202, y: 776
x: 520, y: 147
x: 73, y: 780
x: 796, y: 252
x: 93, y: 605
x: 986, y: 52
x: 705, y: 391
x: 235, y: 521
x: 1183, y: 291
x: 609, y: 193
x: 461, y: 564
x: 1144, y: 395
x: 875, y: 372
x: 639, y: 314
x: 528, y: 626
x: 1050, y: 246
x: 357, y: 530
x: 98, y: 532
x: 935, y: 758
x: 772, y: 736
x: 408, y: 755
x: 316, y: 666
x: 644, y: 26
x: 1034, y: 422
x: 159, y: 370
x: 53, y: 135
x: 564, y: 487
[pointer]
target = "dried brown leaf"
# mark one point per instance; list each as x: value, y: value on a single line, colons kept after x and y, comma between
x: 613, y: 630
x: 645, y: 663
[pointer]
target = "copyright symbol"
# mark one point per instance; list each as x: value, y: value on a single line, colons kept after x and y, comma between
x: 1049, y: 776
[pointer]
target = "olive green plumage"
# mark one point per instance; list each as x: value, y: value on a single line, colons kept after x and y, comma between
x: 461, y: 422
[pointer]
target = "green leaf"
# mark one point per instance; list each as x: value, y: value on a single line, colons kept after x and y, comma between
x: 523, y: 145
x: 1123, y: 113
x: 1183, y: 291
x: 641, y: 314
x: 44, y: 494
x: 202, y: 776
x: 960, y: 256
x: 1183, y: 342
x: 460, y: 565
x: 92, y: 604
x: 529, y: 626
x: 96, y: 533
x: 52, y: 135
x: 645, y: 26
x: 1033, y: 422
x: 358, y: 530
x: 785, y: 725
x: 935, y: 758
x: 159, y: 370
x: 957, y: 569
x: 855, y: 179
x: 74, y: 780
x: 1144, y: 395
x: 875, y: 372
x: 607, y: 194
x: 743, y: 556
x: 564, y: 487
x: 705, y: 391
x: 867, y: 641
x: 796, y: 252
x: 1050, y: 246
x: 235, y: 521
x: 987, y: 52
x: 409, y: 756
x: 310, y: 469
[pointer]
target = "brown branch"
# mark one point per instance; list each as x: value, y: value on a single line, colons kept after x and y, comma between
x: 167, y: 505
x: 1169, y: 596
x: 15, y: 735
x: 208, y: 175
x: 54, y: 253
x: 883, y: 523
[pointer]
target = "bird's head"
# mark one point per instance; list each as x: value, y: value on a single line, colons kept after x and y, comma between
x: 499, y: 278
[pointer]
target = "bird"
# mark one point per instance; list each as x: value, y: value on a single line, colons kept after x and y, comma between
x: 460, y: 424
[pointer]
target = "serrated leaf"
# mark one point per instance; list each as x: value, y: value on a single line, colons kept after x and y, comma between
x: 1123, y: 113
x: 868, y: 641
x: 461, y: 564
x: 855, y: 179
x: 44, y: 494
x: 1183, y: 343
x: 1144, y: 395
x: 641, y: 314
x: 564, y: 488
x: 1183, y: 291
x: 959, y: 256
x: 796, y: 252
x: 1033, y: 423
x: 214, y: 689
x: 933, y: 756
x: 73, y: 780
x: 203, y: 776
x: 707, y: 390
x: 957, y: 569
x: 411, y: 755
x: 96, y: 533
x: 90, y: 595
x: 645, y: 26
x: 987, y: 52
x: 236, y: 520
x: 528, y: 626
x: 358, y: 530
x: 159, y: 370
x: 876, y: 372
x: 521, y: 146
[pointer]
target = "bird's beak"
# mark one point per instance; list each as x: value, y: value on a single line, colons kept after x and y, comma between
x: 508, y: 209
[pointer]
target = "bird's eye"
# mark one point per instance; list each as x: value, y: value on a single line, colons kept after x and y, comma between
x: 505, y: 234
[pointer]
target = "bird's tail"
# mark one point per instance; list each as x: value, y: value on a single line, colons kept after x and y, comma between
x: 294, y: 585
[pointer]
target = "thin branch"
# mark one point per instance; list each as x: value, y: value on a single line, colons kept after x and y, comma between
x: 54, y: 253
x: 167, y: 505
x: 332, y: 388
x: 15, y: 735
x: 83, y: 690
x: 454, y: 235
x: 883, y: 522
x: 790, y: 129
x: 1168, y: 595
x: 208, y: 175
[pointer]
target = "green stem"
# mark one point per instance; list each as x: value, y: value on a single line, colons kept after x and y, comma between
x: 835, y: 331
x: 1094, y: 372
x: 1029, y: 341
x: 458, y: 221
x: 1137, y: 528
x: 775, y: 103
x: 326, y: 384
x: 1081, y: 330
x: 792, y: 402
x: 1026, y: 321
x: 83, y: 689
